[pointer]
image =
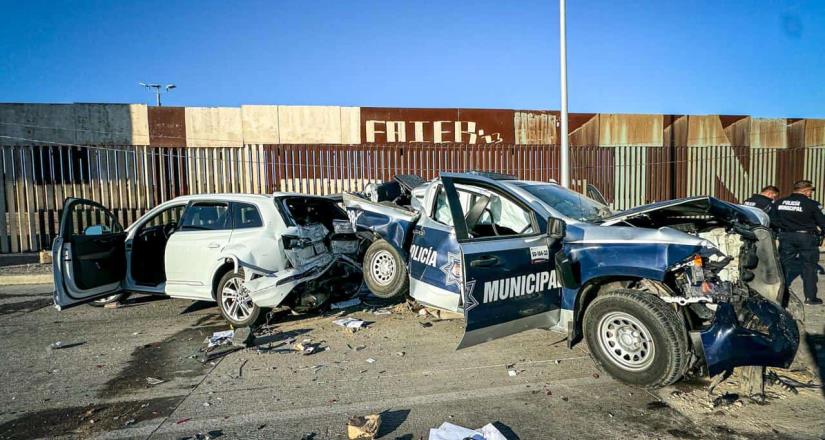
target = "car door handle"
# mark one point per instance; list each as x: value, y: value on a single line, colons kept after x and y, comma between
x: 214, y: 245
x: 485, y: 261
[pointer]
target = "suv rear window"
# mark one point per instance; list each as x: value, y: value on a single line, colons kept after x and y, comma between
x: 246, y: 216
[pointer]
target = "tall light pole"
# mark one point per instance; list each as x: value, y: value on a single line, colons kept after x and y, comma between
x: 157, y: 89
x: 565, y: 148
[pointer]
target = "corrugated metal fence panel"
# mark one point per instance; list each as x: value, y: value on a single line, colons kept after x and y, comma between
x: 131, y: 180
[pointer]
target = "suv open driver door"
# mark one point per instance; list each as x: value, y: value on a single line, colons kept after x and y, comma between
x: 88, y: 255
x: 510, y: 284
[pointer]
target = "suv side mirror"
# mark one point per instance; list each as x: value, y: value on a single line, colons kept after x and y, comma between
x: 556, y: 228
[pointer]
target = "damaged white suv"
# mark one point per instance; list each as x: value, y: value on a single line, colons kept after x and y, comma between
x: 294, y: 250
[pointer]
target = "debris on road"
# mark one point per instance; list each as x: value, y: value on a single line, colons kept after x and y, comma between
x: 449, y: 431
x: 59, y: 345
x: 512, y: 373
x: 363, y: 427
x: 345, y: 304
x: 307, y: 347
x: 154, y: 381
x: 243, y: 337
x: 220, y: 338
x: 370, y: 360
x: 352, y: 323
x: 182, y: 421
x: 382, y: 311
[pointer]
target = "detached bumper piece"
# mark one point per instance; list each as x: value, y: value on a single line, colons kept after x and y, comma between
x: 271, y: 289
x: 772, y: 342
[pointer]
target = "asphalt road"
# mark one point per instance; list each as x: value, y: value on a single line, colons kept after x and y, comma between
x: 97, y: 385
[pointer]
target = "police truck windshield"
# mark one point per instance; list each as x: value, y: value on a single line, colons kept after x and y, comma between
x: 569, y: 203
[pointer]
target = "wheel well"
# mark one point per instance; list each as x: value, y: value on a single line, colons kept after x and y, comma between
x: 219, y: 273
x: 586, y: 295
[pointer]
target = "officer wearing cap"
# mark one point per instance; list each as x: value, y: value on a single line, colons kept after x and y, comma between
x: 764, y: 200
x: 797, y: 217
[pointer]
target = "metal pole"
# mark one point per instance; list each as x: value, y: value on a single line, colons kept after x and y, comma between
x: 157, y: 95
x: 565, y: 148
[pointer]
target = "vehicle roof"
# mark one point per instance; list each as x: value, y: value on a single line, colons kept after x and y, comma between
x: 241, y: 196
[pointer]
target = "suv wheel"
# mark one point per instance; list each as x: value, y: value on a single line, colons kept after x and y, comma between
x: 234, y: 301
x: 637, y: 338
x: 384, y: 271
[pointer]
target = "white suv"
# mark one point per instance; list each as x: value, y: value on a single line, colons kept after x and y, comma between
x: 247, y: 252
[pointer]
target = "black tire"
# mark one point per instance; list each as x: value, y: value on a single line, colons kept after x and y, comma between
x: 650, y: 352
x: 118, y: 297
x: 385, y: 272
x: 246, y: 313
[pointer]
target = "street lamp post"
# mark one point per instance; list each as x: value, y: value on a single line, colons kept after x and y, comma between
x: 565, y: 148
x: 156, y: 88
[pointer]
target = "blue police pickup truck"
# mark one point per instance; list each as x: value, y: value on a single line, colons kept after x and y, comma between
x: 691, y: 284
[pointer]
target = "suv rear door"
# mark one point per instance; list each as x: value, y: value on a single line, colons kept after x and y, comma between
x: 88, y: 257
x: 510, y: 284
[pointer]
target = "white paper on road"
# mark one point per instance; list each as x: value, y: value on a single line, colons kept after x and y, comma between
x: 449, y: 431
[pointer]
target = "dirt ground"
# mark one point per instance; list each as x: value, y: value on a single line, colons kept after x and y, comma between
x: 402, y: 365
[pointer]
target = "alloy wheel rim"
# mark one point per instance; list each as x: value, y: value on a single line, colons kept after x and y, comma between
x: 235, y: 300
x: 627, y: 341
x: 383, y: 267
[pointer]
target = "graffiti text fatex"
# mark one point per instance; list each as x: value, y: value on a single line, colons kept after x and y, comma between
x: 429, y: 131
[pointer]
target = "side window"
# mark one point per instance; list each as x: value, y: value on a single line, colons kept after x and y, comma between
x: 486, y: 213
x: 206, y: 216
x: 87, y: 220
x: 169, y: 216
x: 246, y: 216
x: 441, y: 211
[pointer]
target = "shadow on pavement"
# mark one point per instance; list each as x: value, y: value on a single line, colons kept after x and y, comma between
x: 816, y: 346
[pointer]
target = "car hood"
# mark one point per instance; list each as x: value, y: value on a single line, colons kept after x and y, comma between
x: 691, y: 207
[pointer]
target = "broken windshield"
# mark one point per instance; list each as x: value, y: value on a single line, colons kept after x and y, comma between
x: 569, y: 203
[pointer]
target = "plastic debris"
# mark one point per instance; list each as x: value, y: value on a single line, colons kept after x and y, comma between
x: 154, y: 381
x: 345, y: 304
x: 449, y: 431
x: 363, y: 427
x: 306, y: 347
x: 383, y: 311
x: 370, y: 360
x: 220, y: 338
x: 350, y: 323
x: 59, y: 345
x: 512, y: 373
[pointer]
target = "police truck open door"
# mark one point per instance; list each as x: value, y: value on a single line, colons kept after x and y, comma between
x: 509, y: 281
x: 88, y: 255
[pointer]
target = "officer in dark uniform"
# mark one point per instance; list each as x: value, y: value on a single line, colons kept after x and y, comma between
x: 797, y: 217
x: 764, y: 200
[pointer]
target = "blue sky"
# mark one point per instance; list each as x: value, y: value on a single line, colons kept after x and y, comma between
x: 764, y: 58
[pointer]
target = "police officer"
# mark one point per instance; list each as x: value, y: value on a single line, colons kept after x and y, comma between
x: 764, y: 200
x: 797, y: 218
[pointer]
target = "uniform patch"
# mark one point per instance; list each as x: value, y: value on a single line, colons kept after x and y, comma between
x: 515, y: 287
x: 423, y: 255
x: 539, y: 254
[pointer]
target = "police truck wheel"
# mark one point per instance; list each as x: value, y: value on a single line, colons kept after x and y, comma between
x: 384, y: 271
x: 637, y: 338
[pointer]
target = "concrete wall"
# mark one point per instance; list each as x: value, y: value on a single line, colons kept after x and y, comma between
x: 135, y: 124
x: 26, y: 124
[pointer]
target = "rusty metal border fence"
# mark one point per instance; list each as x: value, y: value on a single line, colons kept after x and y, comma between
x: 130, y: 180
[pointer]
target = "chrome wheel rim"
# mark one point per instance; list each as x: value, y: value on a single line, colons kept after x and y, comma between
x: 235, y: 300
x: 626, y: 341
x: 382, y: 267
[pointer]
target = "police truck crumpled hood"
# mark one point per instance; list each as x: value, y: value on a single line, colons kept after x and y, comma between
x: 721, y: 264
